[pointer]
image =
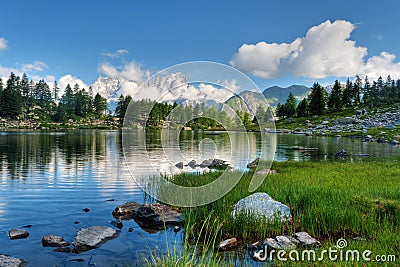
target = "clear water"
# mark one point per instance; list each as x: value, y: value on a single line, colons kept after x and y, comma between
x: 47, y: 178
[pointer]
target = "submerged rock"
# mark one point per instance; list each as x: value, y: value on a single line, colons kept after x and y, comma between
x: 261, y: 204
x: 228, y: 244
x: 16, y: 233
x: 93, y: 237
x: 8, y: 261
x: 54, y: 241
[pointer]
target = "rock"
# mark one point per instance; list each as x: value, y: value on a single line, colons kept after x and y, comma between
x: 111, y: 199
x: 228, y: 244
x: 218, y: 163
x: 324, y: 122
x: 150, y: 217
x: 255, y: 245
x: 205, y: 163
x: 285, y: 242
x: 253, y: 164
x: 27, y: 226
x: 16, y: 233
x: 86, y: 210
x: 93, y: 237
x: 342, y: 153
x: 158, y: 215
x: 76, y: 222
x: 54, y: 241
x: 192, y: 164
x: 128, y: 209
x: 261, y: 204
x: 177, y: 228
x: 117, y: 223
x: 305, y: 239
x: 8, y: 261
x: 179, y: 165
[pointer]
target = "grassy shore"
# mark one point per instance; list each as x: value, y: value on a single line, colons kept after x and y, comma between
x: 328, y: 200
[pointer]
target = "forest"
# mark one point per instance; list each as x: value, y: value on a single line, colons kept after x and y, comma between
x: 353, y: 94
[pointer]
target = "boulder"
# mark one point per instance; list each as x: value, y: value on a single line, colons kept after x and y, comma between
x: 253, y: 164
x: 261, y: 204
x: 16, y: 233
x: 93, y: 237
x: 205, y: 163
x: 8, y: 261
x: 266, y: 172
x: 127, y: 210
x: 279, y: 242
x: 228, y: 244
x: 54, y: 241
x: 150, y: 217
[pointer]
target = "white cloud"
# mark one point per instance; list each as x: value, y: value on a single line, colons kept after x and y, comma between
x: 382, y: 65
x: 33, y: 67
x: 325, y: 51
x: 115, y: 54
x: 131, y: 71
x: 3, y: 43
x: 71, y: 80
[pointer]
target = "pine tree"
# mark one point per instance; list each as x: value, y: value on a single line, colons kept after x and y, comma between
x: 347, y: 94
x: 302, y: 108
x: 99, y: 105
x: 56, y: 90
x: 290, y: 106
x: 318, y: 100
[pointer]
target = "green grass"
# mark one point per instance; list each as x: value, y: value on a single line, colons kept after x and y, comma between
x: 328, y: 200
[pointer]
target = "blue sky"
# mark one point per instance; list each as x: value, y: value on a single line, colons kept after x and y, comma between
x: 79, y: 40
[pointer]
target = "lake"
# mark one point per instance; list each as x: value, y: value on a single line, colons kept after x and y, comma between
x: 48, y: 178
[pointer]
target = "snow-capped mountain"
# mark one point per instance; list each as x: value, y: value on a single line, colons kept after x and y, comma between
x: 173, y: 87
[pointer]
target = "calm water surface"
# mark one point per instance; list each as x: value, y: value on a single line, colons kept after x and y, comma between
x: 47, y: 178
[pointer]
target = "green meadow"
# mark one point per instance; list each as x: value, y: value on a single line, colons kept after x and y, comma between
x: 329, y: 200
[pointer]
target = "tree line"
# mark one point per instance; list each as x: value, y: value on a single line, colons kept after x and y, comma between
x: 352, y: 94
x: 19, y: 94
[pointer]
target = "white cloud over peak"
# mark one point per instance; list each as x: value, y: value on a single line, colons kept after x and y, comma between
x: 131, y: 71
x: 325, y: 51
x: 115, y: 54
x: 71, y: 80
x: 3, y: 43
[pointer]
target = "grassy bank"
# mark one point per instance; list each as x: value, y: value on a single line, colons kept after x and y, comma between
x: 328, y: 200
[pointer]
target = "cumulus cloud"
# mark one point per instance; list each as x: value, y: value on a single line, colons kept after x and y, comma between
x: 131, y: 71
x: 325, y: 51
x: 3, y: 43
x: 71, y: 80
x: 115, y: 54
x: 35, y: 66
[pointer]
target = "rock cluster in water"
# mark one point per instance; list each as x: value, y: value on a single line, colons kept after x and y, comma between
x: 208, y: 163
x: 8, y: 261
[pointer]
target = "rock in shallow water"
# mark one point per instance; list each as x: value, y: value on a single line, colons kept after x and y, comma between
x: 305, y: 239
x: 151, y: 217
x: 261, y: 204
x: 16, y: 233
x: 8, y: 261
x: 54, y: 241
x: 93, y: 237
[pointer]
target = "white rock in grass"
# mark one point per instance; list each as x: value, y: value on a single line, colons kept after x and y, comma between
x: 261, y: 204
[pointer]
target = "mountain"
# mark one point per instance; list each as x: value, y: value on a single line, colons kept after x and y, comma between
x: 246, y: 101
x: 277, y: 94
